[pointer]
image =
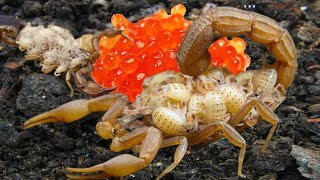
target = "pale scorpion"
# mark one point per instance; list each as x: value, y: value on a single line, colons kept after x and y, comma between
x: 56, y: 48
x: 201, y: 105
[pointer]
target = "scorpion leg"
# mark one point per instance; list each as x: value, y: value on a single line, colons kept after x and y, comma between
x: 75, y: 110
x: 181, y: 150
x: 8, y: 40
x: 68, y: 77
x: 108, y: 33
x: 229, y: 132
x: 105, y: 128
x: 125, y: 164
x: 89, y: 87
x: 90, y: 43
x: 263, y: 110
x: 8, y: 29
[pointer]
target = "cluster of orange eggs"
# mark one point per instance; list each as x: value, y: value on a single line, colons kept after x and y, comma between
x: 124, y: 63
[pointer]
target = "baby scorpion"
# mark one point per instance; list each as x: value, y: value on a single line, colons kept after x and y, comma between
x: 183, y: 110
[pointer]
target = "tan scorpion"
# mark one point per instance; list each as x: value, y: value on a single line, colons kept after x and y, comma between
x: 201, y: 105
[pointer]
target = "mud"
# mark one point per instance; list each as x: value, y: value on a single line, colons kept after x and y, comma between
x: 43, y: 152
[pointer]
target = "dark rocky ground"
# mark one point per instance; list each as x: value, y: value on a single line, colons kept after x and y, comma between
x: 43, y: 152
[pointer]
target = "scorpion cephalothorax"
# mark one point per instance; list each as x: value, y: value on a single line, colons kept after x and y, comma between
x: 182, y: 110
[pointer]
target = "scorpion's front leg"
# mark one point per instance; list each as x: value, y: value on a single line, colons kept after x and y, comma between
x: 150, y: 139
x: 77, y: 109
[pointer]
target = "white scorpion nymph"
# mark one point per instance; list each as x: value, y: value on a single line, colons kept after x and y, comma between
x: 55, y: 46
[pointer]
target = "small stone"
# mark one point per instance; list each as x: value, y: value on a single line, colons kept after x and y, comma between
x: 268, y: 177
x: 308, y: 160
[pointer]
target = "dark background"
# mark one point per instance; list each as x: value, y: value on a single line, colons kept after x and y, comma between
x: 44, y: 151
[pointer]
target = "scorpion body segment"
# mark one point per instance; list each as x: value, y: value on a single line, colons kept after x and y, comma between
x: 169, y: 121
x: 215, y: 107
x: 233, y: 96
x: 196, y: 106
x: 229, y: 21
x: 176, y: 91
x: 264, y: 80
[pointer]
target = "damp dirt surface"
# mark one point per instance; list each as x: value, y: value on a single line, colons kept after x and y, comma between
x: 44, y: 151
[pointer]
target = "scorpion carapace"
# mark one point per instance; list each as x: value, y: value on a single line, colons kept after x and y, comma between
x: 184, y: 110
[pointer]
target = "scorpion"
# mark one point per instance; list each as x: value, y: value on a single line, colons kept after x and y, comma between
x: 56, y: 48
x: 200, y: 105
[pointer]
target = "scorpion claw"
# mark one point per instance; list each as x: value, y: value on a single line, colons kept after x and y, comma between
x: 66, y: 113
x: 39, y: 120
x: 77, y: 109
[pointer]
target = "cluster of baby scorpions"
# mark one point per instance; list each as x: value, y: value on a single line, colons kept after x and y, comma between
x: 56, y: 48
x: 201, y: 105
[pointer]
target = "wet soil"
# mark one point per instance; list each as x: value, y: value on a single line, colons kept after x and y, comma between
x: 44, y: 151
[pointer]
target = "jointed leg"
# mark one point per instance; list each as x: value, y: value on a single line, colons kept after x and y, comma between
x: 105, y: 128
x: 68, y: 77
x: 126, y: 164
x: 8, y: 40
x: 263, y: 110
x: 270, y: 117
x: 178, y: 155
x: 108, y: 33
x: 229, y: 132
x: 88, y: 87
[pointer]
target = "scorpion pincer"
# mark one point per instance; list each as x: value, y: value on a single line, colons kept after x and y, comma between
x: 182, y: 110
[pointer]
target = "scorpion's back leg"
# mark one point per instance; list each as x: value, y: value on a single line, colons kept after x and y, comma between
x: 77, y: 109
x: 126, y: 164
x: 263, y: 110
x: 229, y: 132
